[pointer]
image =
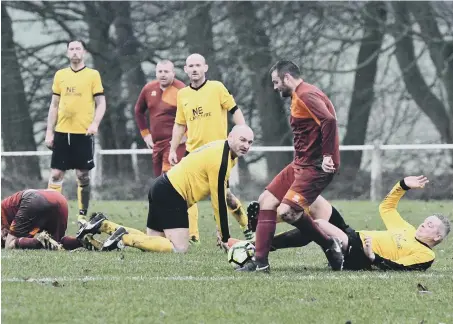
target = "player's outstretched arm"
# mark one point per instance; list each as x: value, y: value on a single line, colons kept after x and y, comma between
x: 388, y: 207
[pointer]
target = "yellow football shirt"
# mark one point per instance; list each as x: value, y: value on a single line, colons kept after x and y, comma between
x: 77, y: 90
x: 204, y: 111
x: 398, y: 243
x: 206, y: 171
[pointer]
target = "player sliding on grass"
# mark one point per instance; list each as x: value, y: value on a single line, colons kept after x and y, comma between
x: 205, y: 170
x: 400, y: 247
x: 37, y: 219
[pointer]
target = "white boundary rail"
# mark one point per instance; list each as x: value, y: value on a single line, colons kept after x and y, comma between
x: 376, y: 163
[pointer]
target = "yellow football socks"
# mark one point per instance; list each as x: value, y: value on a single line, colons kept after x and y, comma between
x: 55, y: 185
x: 239, y: 214
x: 148, y: 243
x: 193, y: 222
x: 110, y: 227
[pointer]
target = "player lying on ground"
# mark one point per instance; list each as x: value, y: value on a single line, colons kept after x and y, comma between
x: 36, y: 219
x: 203, y: 171
x: 400, y: 247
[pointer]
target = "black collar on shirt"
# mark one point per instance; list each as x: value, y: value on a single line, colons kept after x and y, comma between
x: 423, y: 243
x: 75, y: 71
x: 196, y: 89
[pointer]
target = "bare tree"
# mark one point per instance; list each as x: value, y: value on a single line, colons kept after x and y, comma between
x: 258, y: 58
x: 441, y: 52
x: 199, y: 38
x: 374, y: 16
x: 113, y: 133
x: 17, y: 126
x: 130, y: 63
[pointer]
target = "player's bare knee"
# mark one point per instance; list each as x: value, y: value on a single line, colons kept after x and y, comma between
x: 268, y: 201
x: 287, y: 214
x: 10, y: 242
x: 56, y: 175
x: 83, y: 176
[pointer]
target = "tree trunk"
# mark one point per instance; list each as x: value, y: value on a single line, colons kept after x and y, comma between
x: 440, y: 50
x: 363, y: 94
x: 112, y: 132
x: 416, y: 85
x: 17, y: 126
x: 199, y: 38
x: 128, y: 55
x: 258, y: 58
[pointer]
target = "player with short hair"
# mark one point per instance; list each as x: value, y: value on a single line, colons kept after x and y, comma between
x: 36, y: 219
x: 204, y: 171
x: 158, y: 97
x: 77, y: 108
x: 316, y: 159
x: 400, y: 247
x: 202, y: 109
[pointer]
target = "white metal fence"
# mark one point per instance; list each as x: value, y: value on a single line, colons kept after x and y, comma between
x: 376, y: 161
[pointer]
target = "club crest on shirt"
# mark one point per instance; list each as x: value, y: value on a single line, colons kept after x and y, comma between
x: 153, y: 93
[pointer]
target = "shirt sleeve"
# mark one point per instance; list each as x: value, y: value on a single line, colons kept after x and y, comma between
x: 97, y: 88
x: 328, y: 123
x: 414, y: 262
x: 56, y: 85
x: 387, y: 208
x: 226, y: 99
x: 180, y: 117
x: 140, y: 113
x: 218, y: 187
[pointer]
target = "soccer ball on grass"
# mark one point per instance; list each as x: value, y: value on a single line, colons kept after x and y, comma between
x: 240, y: 253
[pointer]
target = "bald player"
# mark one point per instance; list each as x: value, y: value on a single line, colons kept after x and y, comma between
x: 202, y: 109
x: 158, y: 98
x: 204, y: 171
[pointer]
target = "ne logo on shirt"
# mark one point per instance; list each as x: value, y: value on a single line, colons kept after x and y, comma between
x: 198, y: 113
x: 72, y: 91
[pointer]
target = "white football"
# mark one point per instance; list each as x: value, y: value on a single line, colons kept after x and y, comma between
x: 240, y: 253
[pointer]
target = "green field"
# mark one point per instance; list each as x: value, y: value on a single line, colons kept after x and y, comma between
x: 201, y: 287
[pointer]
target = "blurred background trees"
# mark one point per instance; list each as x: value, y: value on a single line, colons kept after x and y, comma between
x: 387, y: 67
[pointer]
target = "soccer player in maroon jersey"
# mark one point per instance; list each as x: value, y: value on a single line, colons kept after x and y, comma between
x: 158, y: 97
x: 36, y: 219
x: 317, y: 158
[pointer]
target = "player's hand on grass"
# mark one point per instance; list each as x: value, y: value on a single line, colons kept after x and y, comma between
x: 416, y: 182
x: 328, y: 165
x: 172, y: 157
x: 149, y: 141
x: 224, y: 246
x: 368, y: 249
x: 92, y: 129
x: 49, y: 139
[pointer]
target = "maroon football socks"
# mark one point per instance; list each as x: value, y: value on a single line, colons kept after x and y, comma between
x: 265, y: 230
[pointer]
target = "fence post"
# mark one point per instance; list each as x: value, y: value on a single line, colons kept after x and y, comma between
x: 97, y: 171
x: 135, y: 162
x: 376, y: 172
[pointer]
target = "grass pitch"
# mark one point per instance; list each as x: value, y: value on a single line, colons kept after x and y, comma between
x: 201, y: 287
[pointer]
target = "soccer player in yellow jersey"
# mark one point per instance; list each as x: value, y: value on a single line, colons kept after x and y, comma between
x: 204, y: 171
x: 400, y: 247
x: 73, y: 121
x: 202, y: 107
